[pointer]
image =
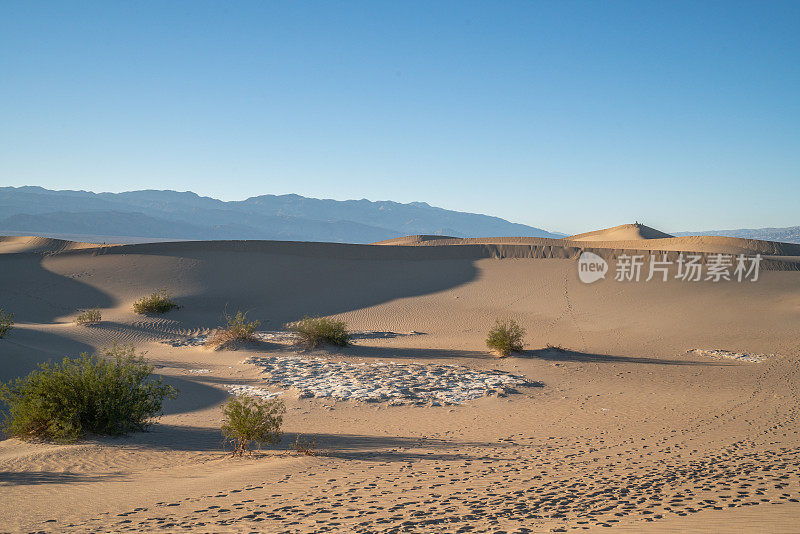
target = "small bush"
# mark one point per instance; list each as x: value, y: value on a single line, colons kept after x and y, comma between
x: 248, y: 419
x: 238, y: 330
x: 88, y: 394
x: 158, y: 302
x: 88, y: 317
x: 6, y: 322
x: 313, y: 331
x: 505, y: 337
x: 305, y: 446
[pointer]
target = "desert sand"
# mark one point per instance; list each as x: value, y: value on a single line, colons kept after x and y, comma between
x: 623, y: 232
x: 627, y: 416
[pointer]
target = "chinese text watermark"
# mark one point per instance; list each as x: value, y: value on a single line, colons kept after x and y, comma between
x: 687, y: 267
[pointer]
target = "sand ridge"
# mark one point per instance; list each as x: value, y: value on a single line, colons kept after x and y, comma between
x: 623, y: 232
x: 39, y: 245
x: 569, y: 247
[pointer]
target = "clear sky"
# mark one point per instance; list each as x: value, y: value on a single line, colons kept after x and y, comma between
x: 564, y: 115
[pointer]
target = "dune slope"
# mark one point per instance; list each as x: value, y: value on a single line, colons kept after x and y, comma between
x: 624, y: 232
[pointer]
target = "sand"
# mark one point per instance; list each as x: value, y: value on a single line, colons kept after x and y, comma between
x: 623, y: 232
x: 612, y: 240
x: 669, y: 407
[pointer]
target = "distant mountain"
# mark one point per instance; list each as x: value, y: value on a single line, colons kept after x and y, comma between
x: 186, y: 215
x: 789, y: 234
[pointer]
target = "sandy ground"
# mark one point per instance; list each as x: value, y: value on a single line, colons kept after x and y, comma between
x: 625, y: 427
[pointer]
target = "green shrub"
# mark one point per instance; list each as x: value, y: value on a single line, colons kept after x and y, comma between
x: 89, y: 317
x: 6, y: 322
x: 505, y: 337
x: 238, y: 330
x: 313, y: 331
x: 248, y: 419
x: 88, y: 394
x: 158, y: 302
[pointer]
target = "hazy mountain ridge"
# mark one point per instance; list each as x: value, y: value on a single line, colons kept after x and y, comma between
x: 186, y: 215
x: 790, y: 234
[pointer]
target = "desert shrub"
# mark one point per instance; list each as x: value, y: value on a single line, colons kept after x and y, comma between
x: 237, y: 329
x: 506, y: 336
x: 313, y: 331
x: 87, y: 394
x: 305, y: 446
x: 88, y: 317
x: 6, y: 322
x: 248, y: 419
x: 158, y: 302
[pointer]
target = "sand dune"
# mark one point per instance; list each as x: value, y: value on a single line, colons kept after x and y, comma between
x: 625, y: 427
x: 569, y: 248
x: 11, y: 244
x: 623, y: 232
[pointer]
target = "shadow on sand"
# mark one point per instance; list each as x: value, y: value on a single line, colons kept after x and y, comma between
x: 280, y: 282
x: 36, y: 295
x: 192, y: 395
x: 32, y: 478
x: 546, y: 354
x: 404, y: 353
x: 556, y: 354
x: 23, y: 349
x: 343, y: 446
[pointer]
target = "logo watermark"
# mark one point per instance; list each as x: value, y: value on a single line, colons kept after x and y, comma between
x: 687, y: 268
x: 591, y: 267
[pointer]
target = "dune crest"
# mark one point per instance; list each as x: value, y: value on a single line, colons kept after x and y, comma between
x: 570, y: 247
x: 623, y: 232
x: 16, y: 244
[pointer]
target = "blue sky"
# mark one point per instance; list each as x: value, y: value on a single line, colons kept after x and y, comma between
x: 564, y: 115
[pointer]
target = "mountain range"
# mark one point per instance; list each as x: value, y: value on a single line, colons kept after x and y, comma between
x: 150, y: 214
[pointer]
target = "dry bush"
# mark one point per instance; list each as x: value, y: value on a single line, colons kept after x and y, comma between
x: 556, y: 348
x: 237, y: 330
x: 157, y: 302
x: 6, y: 322
x: 307, y: 447
x: 88, y: 317
x: 248, y: 419
x: 505, y: 337
x: 313, y: 331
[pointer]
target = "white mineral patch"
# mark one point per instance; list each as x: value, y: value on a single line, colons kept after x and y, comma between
x: 726, y: 354
x: 186, y: 341
x: 391, y: 382
x: 284, y: 337
x: 241, y: 389
x: 199, y: 371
